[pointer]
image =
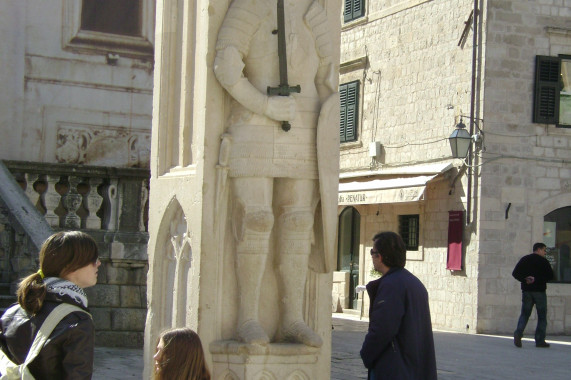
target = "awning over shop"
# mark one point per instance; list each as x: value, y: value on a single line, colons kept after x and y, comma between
x: 395, y: 190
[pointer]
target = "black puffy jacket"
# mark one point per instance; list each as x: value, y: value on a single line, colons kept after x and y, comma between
x: 68, y: 352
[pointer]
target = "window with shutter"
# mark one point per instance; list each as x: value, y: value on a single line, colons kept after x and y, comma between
x: 547, y: 87
x: 349, y: 96
x: 353, y: 9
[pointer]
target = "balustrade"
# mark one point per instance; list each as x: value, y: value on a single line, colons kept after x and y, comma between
x: 86, y: 197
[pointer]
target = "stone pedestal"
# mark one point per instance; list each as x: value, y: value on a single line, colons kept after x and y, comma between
x: 232, y: 360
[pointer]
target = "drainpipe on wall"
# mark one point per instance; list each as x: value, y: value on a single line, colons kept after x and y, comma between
x: 472, y: 106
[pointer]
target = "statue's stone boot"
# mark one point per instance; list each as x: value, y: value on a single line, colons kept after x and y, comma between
x: 251, y: 332
x: 299, y: 332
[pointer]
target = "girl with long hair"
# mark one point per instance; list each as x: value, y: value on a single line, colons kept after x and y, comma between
x: 68, y: 263
x: 180, y: 356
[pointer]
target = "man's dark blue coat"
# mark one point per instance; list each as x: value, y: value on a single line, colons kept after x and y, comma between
x: 399, y: 344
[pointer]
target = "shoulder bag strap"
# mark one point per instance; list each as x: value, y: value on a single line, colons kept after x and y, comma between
x: 55, y: 317
x: 5, y: 363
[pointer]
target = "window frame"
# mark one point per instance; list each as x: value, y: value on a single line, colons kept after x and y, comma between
x: 348, y: 112
x: 405, y: 231
x: 85, y: 41
x: 547, y: 92
x: 350, y: 13
x: 554, y: 246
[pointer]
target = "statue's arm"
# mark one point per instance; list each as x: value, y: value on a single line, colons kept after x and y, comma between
x: 240, y: 24
x: 326, y: 81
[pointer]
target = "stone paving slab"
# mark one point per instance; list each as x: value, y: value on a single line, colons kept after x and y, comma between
x: 458, y: 356
x: 117, y: 363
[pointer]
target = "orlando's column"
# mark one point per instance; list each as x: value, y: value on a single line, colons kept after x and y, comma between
x: 242, y: 210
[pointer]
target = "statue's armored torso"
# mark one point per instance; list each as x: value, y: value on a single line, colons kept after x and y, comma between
x: 260, y: 147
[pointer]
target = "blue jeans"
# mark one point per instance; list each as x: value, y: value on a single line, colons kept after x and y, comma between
x: 372, y: 375
x: 528, y: 299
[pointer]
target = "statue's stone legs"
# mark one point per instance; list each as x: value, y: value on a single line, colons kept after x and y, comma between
x: 252, y: 223
x: 295, y: 226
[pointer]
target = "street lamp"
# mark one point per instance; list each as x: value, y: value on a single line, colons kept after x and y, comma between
x: 461, y: 145
x: 460, y: 141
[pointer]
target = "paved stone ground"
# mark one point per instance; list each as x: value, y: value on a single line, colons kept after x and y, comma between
x: 461, y: 356
x: 458, y: 356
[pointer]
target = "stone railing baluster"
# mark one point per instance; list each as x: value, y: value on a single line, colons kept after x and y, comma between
x: 51, y: 200
x: 111, y: 199
x: 144, y: 205
x: 71, y: 202
x: 92, y: 202
x: 31, y: 193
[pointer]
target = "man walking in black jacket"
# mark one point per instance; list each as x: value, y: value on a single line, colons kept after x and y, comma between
x: 533, y: 271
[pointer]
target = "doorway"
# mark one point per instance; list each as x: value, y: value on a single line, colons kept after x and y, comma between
x: 348, y: 250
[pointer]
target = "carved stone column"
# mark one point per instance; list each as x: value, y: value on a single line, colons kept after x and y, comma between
x: 194, y: 176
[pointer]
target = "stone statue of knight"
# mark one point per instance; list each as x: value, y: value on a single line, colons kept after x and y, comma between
x: 283, y: 184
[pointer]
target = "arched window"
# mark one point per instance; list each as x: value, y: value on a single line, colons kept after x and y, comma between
x: 557, y: 238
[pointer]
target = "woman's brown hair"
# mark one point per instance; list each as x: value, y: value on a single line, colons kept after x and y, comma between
x: 182, y: 356
x: 60, y: 254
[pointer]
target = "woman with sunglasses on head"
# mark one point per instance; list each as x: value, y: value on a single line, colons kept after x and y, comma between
x: 68, y: 263
x: 180, y: 356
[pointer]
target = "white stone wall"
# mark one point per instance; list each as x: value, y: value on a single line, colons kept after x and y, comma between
x: 533, y: 172
x: 416, y: 82
x: 414, y: 87
x: 62, y: 104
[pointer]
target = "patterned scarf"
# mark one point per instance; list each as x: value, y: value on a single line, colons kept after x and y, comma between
x: 63, y: 287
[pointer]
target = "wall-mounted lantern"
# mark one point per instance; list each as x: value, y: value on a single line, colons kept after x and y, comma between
x: 460, y: 141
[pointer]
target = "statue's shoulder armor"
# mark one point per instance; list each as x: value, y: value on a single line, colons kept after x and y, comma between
x: 241, y: 22
x: 316, y: 19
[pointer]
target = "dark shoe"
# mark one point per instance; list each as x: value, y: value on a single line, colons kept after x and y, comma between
x: 517, y: 340
x: 542, y: 344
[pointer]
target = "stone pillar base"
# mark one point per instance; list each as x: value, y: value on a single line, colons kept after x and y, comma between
x: 233, y: 360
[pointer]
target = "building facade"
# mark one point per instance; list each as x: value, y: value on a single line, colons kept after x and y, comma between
x: 411, y: 71
x: 75, y: 120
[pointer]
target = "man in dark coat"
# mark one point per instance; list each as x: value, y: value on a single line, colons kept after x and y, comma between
x: 533, y: 271
x: 399, y: 344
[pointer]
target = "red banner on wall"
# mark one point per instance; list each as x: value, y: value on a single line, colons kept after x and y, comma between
x: 455, y: 232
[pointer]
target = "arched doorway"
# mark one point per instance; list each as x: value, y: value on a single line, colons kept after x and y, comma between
x: 348, y: 250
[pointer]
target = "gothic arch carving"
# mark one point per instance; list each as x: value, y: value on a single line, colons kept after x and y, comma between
x: 298, y: 375
x: 228, y: 375
x: 171, y: 265
x: 264, y: 375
